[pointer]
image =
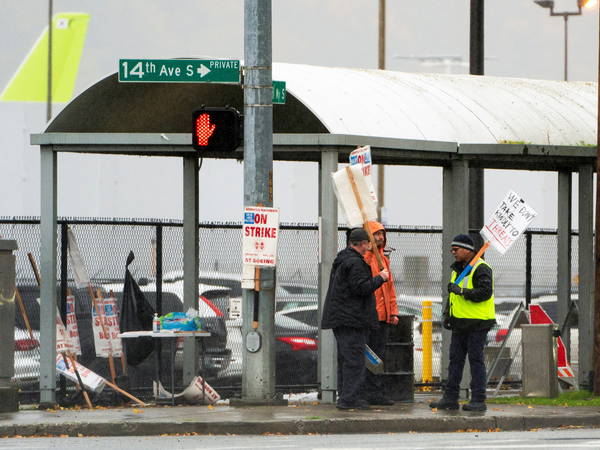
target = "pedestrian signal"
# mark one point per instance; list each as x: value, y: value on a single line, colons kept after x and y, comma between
x: 216, y: 129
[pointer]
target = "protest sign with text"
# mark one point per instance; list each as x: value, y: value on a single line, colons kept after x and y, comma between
x: 109, y: 343
x: 72, y: 330
x: 260, y: 233
x: 90, y: 379
x: 508, y: 222
x: 362, y: 157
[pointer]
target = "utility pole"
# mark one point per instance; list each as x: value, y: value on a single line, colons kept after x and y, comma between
x: 258, y: 373
x: 595, y: 376
x: 381, y: 66
x: 476, y: 58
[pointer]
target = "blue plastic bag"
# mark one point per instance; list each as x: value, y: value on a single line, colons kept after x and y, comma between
x: 178, y: 321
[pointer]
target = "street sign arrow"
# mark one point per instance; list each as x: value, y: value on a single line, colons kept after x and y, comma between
x: 203, y: 70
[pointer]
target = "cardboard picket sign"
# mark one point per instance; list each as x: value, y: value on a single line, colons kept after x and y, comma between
x: 503, y: 228
x: 82, y: 279
x: 111, y: 344
x: 362, y: 157
x: 72, y: 331
x: 90, y: 379
x: 64, y: 343
x: 192, y: 394
x: 344, y: 191
x: 508, y: 222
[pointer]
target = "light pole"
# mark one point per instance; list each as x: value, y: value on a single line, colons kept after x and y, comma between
x: 565, y: 15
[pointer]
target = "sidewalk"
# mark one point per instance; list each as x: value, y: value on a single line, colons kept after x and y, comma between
x: 297, y: 418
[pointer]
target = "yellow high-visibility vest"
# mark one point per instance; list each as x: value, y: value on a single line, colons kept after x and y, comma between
x: 462, y: 308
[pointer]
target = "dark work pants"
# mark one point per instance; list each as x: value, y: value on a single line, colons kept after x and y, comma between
x: 469, y: 343
x: 374, y: 387
x: 350, y: 363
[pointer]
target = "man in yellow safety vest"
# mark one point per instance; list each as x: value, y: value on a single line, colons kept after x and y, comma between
x: 469, y: 314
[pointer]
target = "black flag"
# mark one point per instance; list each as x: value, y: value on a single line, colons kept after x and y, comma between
x: 136, y: 315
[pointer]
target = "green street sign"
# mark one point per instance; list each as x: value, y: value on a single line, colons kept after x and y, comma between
x: 179, y: 71
x: 279, y: 92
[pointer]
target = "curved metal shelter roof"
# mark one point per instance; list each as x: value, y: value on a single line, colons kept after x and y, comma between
x: 436, y: 107
x: 374, y: 103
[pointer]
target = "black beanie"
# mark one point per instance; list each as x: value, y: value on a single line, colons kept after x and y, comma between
x: 464, y: 241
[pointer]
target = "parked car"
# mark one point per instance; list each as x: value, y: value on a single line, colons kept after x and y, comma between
x: 27, y: 356
x: 296, y: 350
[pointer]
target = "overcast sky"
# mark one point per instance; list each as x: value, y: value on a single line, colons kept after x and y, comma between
x: 521, y: 40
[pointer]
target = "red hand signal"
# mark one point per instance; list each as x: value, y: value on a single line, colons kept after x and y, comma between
x: 204, y: 129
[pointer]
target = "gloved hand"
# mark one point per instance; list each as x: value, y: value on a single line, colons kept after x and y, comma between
x: 454, y: 289
x: 446, y: 323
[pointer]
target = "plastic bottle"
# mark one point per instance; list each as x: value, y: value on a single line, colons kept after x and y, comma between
x: 155, y: 324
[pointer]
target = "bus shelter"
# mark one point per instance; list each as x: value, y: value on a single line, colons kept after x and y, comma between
x: 456, y: 122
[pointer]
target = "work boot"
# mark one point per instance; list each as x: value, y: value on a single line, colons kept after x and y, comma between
x: 360, y: 404
x: 380, y: 401
x: 474, y: 406
x: 444, y: 403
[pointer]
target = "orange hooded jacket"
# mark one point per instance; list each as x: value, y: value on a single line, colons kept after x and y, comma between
x: 385, y: 296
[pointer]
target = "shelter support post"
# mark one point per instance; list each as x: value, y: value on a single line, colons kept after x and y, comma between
x: 48, y: 234
x: 586, y: 274
x: 563, y: 276
x: 328, y: 247
x: 455, y: 220
x: 190, y: 258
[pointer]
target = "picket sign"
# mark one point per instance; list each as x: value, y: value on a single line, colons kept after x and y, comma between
x: 64, y: 343
x: 503, y: 228
x: 508, y: 222
x: 107, y: 343
x: 345, y: 193
x: 192, y: 394
x: 90, y: 379
x: 537, y: 315
x: 82, y: 279
x: 72, y: 331
x: 362, y: 157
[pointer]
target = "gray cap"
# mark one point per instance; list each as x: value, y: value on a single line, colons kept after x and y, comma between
x: 358, y: 235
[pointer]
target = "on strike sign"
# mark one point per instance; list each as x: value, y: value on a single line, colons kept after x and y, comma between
x: 508, y: 222
x: 260, y: 232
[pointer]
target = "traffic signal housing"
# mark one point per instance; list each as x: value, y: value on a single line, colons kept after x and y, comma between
x: 216, y: 129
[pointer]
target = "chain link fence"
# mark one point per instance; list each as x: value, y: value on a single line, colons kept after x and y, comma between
x: 415, y: 255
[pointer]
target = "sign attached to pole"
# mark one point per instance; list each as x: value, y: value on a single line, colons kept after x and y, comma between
x: 179, y: 71
x: 260, y: 233
x: 508, y: 222
x: 362, y: 157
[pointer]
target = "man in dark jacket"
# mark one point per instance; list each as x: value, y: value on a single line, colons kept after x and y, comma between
x: 350, y: 311
x: 470, y: 315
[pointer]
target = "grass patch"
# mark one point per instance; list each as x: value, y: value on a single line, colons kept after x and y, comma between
x: 571, y: 398
x: 313, y: 418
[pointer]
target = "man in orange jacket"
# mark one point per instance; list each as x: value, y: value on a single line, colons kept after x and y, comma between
x: 387, y: 314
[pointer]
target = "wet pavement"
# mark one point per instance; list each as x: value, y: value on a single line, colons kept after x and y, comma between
x: 299, y: 417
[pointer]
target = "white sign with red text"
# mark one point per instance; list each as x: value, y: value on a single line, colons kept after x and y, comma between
x: 71, y: 329
x: 362, y: 157
x: 111, y: 342
x: 260, y: 233
x: 90, y: 379
x: 508, y: 222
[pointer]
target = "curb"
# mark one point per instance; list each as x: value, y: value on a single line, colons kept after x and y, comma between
x: 319, y: 426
